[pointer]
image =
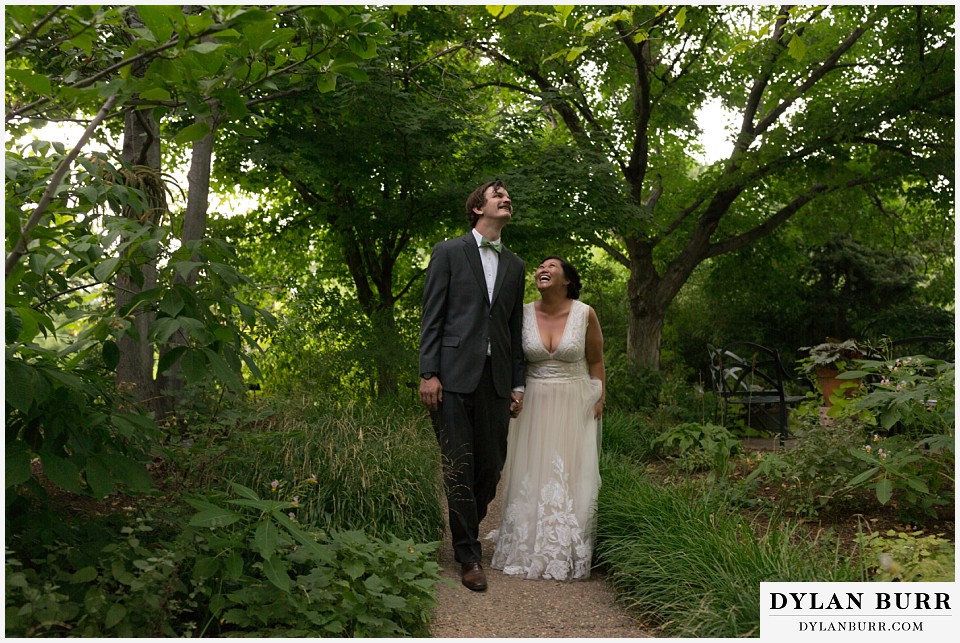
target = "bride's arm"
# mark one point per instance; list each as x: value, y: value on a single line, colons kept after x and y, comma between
x: 594, y: 353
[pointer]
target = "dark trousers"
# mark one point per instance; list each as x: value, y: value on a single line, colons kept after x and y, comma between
x: 472, y: 431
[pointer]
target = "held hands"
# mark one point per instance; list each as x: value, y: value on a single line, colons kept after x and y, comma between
x: 516, y: 403
x: 431, y: 393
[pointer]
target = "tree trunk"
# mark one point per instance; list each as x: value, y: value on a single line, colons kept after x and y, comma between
x: 194, y: 230
x: 198, y: 194
x: 141, y: 146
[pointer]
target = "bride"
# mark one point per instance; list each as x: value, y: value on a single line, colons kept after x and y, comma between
x: 551, y: 475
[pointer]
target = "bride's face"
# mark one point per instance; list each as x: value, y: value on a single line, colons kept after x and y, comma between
x: 549, y: 275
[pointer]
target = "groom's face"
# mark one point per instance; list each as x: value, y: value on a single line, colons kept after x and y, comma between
x: 497, y: 204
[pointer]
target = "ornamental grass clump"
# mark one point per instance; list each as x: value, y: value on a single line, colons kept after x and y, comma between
x: 373, y: 467
x: 682, y: 556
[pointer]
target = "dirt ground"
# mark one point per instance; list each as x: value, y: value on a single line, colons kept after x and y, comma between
x: 514, y: 607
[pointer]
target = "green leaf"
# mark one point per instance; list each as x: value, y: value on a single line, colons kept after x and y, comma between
x: 574, y: 52
x: 796, y: 47
x: 681, y: 18
x: 276, y: 572
x: 155, y: 94
x: 17, y: 470
x: 111, y: 354
x: 206, y: 568
x: 866, y: 475
x: 163, y: 328
x: 169, y: 358
x: 191, y: 133
x: 98, y: 477
x: 214, y: 518
x: 354, y: 568
x: 13, y: 324
x: 265, y: 538
x: 32, y: 81
x: 115, y: 614
x: 884, y: 491
x: 246, y: 492
x: 129, y: 472
x: 917, y: 484
x: 159, y: 19
x: 222, y: 370
x: 194, y: 365
x: 233, y: 566
x: 22, y: 385
x: 500, y: 11
x: 61, y: 472
x: 171, y: 304
x: 84, y: 575
x: 327, y: 82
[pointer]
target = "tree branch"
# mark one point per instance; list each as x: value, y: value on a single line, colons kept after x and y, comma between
x: 21, y: 246
x: 769, y: 225
x: 36, y: 28
x: 826, y: 67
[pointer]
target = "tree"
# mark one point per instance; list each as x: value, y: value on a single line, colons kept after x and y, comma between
x: 200, y: 68
x: 365, y: 177
x: 82, y: 225
x: 828, y: 100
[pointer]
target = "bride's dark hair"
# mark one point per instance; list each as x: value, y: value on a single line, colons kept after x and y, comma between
x: 573, y: 288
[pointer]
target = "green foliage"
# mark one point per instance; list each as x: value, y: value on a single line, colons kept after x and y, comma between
x: 263, y: 572
x: 920, y: 478
x: 371, y: 466
x: 628, y: 434
x: 239, y: 566
x: 912, y: 395
x: 833, y: 353
x: 631, y: 388
x: 834, y: 466
x: 812, y: 476
x: 907, y: 557
x: 127, y: 585
x: 698, y: 447
x: 688, y: 561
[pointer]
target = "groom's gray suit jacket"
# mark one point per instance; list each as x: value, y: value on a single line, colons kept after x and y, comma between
x: 458, y: 320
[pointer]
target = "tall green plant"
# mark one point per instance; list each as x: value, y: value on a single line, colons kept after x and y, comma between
x: 346, y: 465
x: 687, y: 560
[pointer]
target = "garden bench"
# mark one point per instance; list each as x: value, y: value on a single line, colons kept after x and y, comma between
x: 750, y: 380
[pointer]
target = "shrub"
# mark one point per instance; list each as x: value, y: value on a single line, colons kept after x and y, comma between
x: 682, y: 556
x: 907, y: 557
x: 909, y: 395
x: 263, y: 572
x: 242, y: 566
x: 127, y: 585
x: 813, y: 476
x: 918, y: 475
x: 374, y: 467
x: 698, y: 447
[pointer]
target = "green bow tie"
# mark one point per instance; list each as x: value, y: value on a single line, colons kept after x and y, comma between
x: 495, y: 245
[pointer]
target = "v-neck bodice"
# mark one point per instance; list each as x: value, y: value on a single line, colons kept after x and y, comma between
x: 568, y: 359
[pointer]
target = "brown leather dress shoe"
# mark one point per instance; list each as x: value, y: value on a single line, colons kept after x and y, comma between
x: 472, y: 577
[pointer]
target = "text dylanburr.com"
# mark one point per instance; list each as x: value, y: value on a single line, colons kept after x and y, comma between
x: 858, y: 611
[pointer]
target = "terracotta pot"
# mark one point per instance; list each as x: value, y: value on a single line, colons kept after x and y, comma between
x: 827, y: 378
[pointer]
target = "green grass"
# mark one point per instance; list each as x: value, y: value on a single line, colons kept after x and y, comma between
x: 371, y: 467
x: 684, y: 558
x: 629, y: 434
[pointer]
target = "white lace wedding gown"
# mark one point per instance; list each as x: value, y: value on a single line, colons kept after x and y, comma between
x: 551, y: 477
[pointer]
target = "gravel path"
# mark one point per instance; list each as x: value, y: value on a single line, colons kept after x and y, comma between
x: 514, y: 607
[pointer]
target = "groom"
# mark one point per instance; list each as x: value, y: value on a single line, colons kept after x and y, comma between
x: 471, y: 364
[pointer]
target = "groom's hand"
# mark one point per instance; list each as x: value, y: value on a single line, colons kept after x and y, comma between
x: 431, y: 392
x: 516, y: 403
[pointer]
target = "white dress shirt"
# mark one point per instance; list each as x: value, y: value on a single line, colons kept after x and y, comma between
x: 490, y: 259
